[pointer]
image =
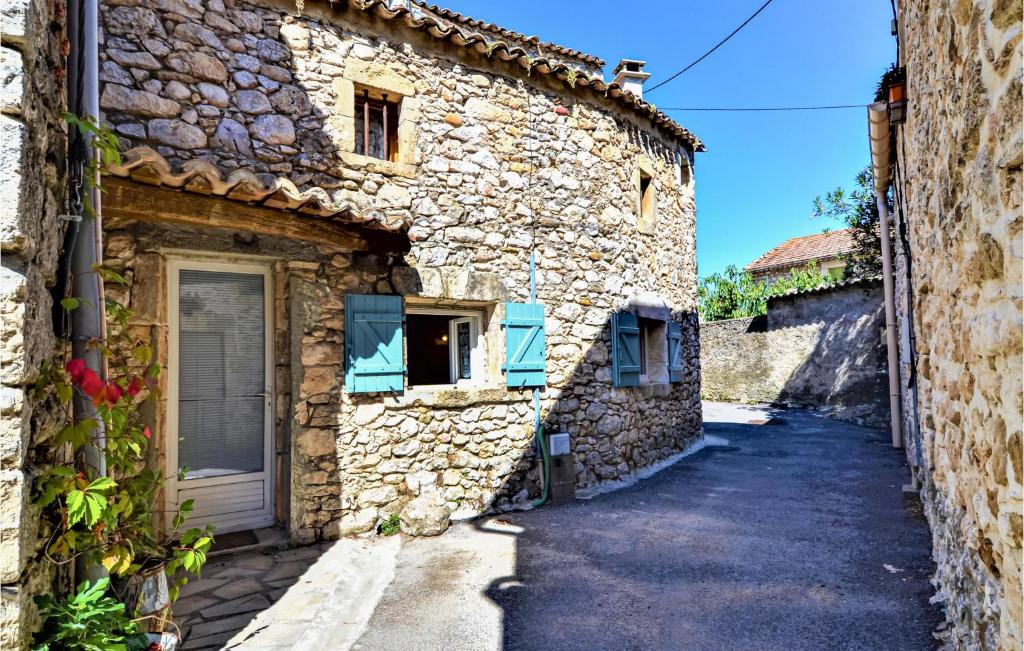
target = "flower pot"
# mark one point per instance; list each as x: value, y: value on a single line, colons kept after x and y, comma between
x: 145, y: 595
x: 164, y: 641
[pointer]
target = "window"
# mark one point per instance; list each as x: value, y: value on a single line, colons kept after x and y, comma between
x: 376, y: 124
x: 444, y: 347
x: 648, y: 204
x: 682, y: 166
x: 653, y: 352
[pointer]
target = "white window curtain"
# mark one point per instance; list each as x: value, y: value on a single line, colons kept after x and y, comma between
x: 221, y: 381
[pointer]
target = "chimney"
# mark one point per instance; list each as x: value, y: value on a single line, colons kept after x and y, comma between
x: 630, y: 75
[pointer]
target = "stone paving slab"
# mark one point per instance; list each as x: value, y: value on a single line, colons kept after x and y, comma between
x: 278, y: 599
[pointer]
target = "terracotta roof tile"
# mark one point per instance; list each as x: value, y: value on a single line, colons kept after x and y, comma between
x: 467, y: 34
x: 853, y: 282
x: 804, y: 249
x: 507, y: 33
x: 200, y: 176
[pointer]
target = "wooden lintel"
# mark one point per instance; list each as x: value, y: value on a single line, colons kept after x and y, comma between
x: 126, y: 201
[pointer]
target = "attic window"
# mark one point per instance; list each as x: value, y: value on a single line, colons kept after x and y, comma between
x: 377, y: 117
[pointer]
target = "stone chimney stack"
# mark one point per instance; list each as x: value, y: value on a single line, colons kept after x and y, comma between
x: 631, y: 76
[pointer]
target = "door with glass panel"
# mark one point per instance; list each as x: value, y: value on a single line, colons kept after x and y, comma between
x: 219, y: 398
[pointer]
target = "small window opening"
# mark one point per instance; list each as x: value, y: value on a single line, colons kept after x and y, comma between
x: 443, y: 349
x: 646, y: 197
x: 377, y: 118
x: 653, y: 351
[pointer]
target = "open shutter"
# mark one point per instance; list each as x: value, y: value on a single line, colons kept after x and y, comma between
x: 524, y: 345
x: 374, y: 355
x: 675, y: 352
x: 625, y: 350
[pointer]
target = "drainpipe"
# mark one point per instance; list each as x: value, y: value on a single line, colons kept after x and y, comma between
x: 87, y: 322
x: 878, y: 132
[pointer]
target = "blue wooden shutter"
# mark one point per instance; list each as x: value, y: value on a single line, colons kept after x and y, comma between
x: 675, y: 352
x: 524, y: 345
x: 374, y: 354
x: 625, y: 350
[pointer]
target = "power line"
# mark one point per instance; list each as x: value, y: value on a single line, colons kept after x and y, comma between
x: 765, y: 108
x: 718, y: 45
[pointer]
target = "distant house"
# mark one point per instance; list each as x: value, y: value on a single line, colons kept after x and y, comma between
x: 823, y: 249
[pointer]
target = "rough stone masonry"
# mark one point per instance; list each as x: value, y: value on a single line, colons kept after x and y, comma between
x: 961, y: 149
x: 492, y: 162
x: 32, y: 152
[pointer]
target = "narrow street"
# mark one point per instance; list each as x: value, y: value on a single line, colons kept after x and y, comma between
x: 794, y: 535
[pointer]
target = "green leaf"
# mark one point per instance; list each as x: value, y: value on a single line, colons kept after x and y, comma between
x: 64, y: 392
x: 76, y: 507
x: 109, y: 275
x: 94, y: 505
x: 70, y: 303
x: 102, y: 484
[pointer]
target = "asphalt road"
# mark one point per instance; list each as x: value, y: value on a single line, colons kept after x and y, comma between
x: 793, y: 536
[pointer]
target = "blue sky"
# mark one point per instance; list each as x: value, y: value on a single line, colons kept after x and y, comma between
x: 757, y: 181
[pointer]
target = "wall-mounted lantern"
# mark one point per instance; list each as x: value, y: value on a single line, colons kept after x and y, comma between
x: 897, y: 101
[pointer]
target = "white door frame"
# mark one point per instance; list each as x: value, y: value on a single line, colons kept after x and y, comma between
x: 226, y: 522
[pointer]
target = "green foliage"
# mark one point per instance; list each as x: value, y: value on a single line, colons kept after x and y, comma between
x: 111, y: 519
x: 88, y: 620
x: 735, y: 294
x: 857, y: 210
x: 893, y: 74
x: 390, y: 527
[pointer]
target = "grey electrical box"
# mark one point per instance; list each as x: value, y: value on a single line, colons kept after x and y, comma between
x: 562, y: 486
x: 558, y: 444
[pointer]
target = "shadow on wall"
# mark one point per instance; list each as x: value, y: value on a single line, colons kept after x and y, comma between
x: 614, y: 431
x: 823, y: 349
x: 845, y: 373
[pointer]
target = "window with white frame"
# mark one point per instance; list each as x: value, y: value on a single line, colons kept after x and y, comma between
x: 444, y: 347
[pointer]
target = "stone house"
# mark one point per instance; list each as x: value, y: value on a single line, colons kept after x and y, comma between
x: 824, y: 250
x: 326, y: 216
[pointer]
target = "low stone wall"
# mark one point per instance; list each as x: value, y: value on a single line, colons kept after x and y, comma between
x: 822, y: 349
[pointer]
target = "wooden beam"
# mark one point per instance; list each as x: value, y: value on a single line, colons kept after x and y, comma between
x: 125, y: 200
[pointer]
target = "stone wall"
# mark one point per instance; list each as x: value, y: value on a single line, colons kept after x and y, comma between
x: 32, y: 102
x: 492, y: 164
x: 961, y: 157
x: 822, y: 349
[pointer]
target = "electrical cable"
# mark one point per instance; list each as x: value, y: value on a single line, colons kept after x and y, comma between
x: 765, y: 108
x: 708, y: 53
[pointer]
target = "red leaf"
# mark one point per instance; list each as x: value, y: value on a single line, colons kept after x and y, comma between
x: 134, y: 386
x: 76, y: 369
x: 148, y: 434
x: 91, y: 383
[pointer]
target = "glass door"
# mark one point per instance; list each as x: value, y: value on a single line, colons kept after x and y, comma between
x: 220, y: 393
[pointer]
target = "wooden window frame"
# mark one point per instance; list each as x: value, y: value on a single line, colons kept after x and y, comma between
x: 368, y: 104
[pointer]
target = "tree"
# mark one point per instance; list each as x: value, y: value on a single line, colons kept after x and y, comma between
x: 858, y: 211
x: 735, y: 294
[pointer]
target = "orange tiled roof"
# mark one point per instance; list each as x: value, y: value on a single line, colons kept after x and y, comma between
x: 469, y: 33
x: 508, y: 33
x: 804, y: 249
